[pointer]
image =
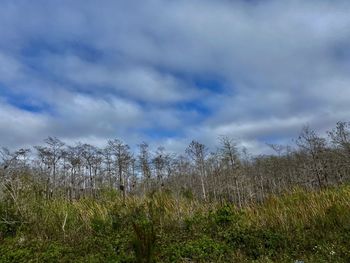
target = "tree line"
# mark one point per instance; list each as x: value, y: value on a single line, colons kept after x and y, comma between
x: 228, y: 173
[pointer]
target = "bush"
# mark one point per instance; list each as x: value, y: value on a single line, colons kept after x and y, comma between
x: 256, y: 243
x: 203, y: 249
x: 10, y: 220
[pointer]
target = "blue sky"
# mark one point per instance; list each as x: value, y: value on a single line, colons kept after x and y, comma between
x: 168, y: 72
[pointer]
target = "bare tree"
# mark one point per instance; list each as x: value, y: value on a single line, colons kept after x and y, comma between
x: 197, y: 152
x: 50, y: 156
x: 92, y: 159
x: 314, y: 146
x: 340, y: 138
x: 75, y: 162
x: 160, y: 163
x: 225, y: 174
x: 121, y: 152
x: 108, y: 162
x: 230, y: 156
x: 144, y: 159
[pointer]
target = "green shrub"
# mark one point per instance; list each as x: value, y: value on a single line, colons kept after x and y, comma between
x: 203, y: 249
x: 226, y: 215
x: 10, y: 220
x: 256, y: 243
x: 144, y: 240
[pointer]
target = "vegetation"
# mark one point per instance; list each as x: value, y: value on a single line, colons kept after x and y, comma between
x: 308, y: 226
x: 81, y: 203
x: 224, y: 174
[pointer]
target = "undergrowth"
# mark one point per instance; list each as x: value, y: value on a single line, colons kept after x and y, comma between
x: 300, y: 225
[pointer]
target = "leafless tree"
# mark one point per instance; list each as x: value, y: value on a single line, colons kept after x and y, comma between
x: 160, y: 163
x: 314, y: 146
x: 227, y: 173
x: 144, y: 160
x: 122, y: 155
x: 230, y: 155
x: 198, y: 152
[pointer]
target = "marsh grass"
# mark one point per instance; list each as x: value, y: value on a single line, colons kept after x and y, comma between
x: 298, y: 225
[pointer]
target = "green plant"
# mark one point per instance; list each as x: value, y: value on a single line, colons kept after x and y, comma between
x: 144, y: 239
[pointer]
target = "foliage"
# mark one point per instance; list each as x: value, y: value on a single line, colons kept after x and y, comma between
x: 299, y: 225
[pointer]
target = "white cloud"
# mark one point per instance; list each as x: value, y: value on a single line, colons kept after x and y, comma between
x: 20, y: 128
x: 283, y: 64
x: 141, y: 83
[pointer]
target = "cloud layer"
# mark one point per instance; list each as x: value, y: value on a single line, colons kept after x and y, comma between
x: 171, y: 71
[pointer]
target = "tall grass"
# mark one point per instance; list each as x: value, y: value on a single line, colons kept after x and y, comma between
x: 299, y: 225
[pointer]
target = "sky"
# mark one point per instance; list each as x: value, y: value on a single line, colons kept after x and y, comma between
x: 167, y: 72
